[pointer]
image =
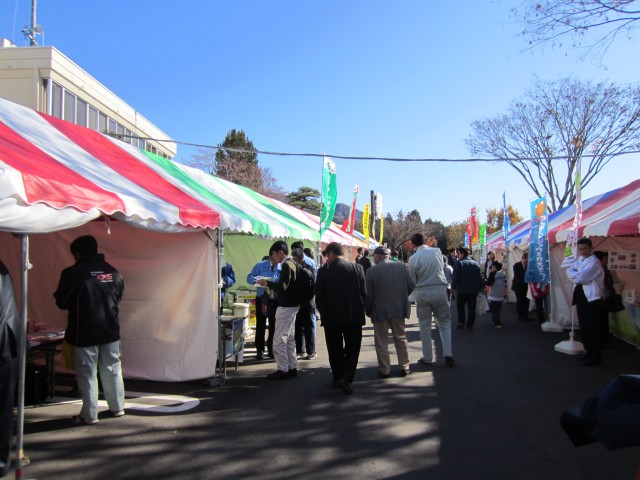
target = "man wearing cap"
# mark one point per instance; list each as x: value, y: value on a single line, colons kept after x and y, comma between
x: 340, y: 295
x: 387, y: 304
x: 427, y: 269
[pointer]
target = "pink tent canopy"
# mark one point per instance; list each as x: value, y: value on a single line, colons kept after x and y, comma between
x: 615, y: 213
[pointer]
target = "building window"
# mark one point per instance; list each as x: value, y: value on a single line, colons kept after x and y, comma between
x: 93, y: 118
x: 102, y: 126
x: 81, y: 112
x: 69, y: 107
x: 56, y: 100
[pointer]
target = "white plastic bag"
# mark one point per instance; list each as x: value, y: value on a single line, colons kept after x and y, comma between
x: 482, y: 304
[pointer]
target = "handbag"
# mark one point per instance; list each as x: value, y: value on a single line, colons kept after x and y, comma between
x: 615, y: 303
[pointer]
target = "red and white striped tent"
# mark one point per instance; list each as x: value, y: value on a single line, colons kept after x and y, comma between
x: 615, y: 213
x: 59, y: 181
x: 612, y: 221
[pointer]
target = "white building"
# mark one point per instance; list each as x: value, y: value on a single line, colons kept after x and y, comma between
x: 44, y: 79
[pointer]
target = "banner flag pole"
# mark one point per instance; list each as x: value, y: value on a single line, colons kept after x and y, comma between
x: 571, y: 347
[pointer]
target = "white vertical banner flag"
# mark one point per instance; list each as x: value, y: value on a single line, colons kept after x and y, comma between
x: 571, y: 249
x: 379, y: 213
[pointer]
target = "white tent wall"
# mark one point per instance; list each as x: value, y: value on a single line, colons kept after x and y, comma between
x: 168, y: 313
x: 515, y: 255
x: 560, y: 289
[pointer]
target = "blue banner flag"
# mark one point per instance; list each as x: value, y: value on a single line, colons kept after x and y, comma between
x: 506, y: 227
x: 538, y: 266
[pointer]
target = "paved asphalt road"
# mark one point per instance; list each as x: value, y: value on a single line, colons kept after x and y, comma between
x: 495, y: 415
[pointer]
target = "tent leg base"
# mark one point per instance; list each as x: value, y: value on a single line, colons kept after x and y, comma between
x: 570, y: 347
x: 215, y: 381
x: 551, y: 327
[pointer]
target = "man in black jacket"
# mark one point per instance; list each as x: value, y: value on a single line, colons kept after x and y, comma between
x: 9, y: 335
x: 340, y: 296
x: 467, y: 283
x: 91, y: 290
x: 520, y: 287
x: 284, y: 340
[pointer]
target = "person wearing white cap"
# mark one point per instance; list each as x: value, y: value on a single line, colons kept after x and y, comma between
x: 387, y: 304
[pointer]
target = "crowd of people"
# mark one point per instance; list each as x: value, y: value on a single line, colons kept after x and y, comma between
x: 382, y: 287
x: 290, y: 288
x: 377, y: 285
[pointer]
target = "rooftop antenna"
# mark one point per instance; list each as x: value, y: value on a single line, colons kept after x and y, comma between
x: 35, y: 29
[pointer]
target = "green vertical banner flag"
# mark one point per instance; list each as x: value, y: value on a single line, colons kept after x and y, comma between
x: 329, y: 194
x: 483, y: 235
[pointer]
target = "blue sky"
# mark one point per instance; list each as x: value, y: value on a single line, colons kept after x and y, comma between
x: 357, y: 78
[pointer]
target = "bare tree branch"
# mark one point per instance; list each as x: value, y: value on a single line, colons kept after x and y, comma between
x: 550, y: 21
x: 563, y: 118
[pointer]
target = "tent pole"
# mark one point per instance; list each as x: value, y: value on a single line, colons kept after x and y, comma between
x: 508, y: 269
x: 219, y: 374
x: 222, y: 374
x: 219, y: 378
x: 220, y: 251
x: 318, y: 253
x: 22, y: 355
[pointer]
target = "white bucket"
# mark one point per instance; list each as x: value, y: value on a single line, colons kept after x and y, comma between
x: 241, y: 310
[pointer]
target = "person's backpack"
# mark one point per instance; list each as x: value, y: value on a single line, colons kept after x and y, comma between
x: 305, y: 283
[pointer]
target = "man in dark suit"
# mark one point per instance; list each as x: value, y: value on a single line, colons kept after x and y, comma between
x: 467, y: 283
x: 340, y: 295
x: 520, y: 287
x: 387, y: 304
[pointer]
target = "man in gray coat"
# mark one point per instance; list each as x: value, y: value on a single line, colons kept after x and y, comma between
x: 387, y: 304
